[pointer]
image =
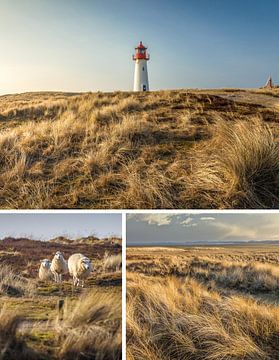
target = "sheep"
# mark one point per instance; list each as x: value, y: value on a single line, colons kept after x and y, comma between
x: 113, y: 262
x: 80, y: 268
x: 58, y: 266
x: 44, y: 270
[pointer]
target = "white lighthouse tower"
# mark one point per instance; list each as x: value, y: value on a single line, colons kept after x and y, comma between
x: 141, y: 76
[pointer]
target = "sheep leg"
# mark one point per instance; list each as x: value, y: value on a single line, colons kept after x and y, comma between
x: 60, y: 282
x: 73, y: 286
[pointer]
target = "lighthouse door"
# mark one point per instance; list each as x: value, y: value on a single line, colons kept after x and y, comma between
x: 143, y: 87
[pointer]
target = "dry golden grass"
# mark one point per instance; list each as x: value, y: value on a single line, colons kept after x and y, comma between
x: 238, y: 168
x: 12, y: 345
x: 186, y: 304
x: 92, y: 329
x: 13, y: 284
x: 168, y: 149
x: 112, y: 262
x: 57, y: 321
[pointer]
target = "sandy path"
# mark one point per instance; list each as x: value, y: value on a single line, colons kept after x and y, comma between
x: 252, y: 98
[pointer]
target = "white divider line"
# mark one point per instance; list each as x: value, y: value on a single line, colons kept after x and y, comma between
x: 124, y: 214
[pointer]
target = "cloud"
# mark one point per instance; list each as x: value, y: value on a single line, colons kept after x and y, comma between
x: 187, y: 221
x: 210, y: 227
x: 153, y: 219
x: 207, y: 218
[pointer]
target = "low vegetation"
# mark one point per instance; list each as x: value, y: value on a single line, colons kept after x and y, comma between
x: 168, y: 149
x: 11, y: 344
x: 14, y: 284
x: 112, y: 262
x: 49, y: 321
x: 199, y: 304
x: 92, y: 329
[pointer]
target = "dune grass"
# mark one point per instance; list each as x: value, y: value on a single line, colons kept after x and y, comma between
x: 199, y: 304
x: 178, y: 319
x: 87, y: 328
x: 47, y: 321
x: 13, y: 284
x: 243, y: 275
x: 168, y: 149
x: 12, y: 345
x: 112, y: 262
x: 92, y: 329
x: 239, y: 165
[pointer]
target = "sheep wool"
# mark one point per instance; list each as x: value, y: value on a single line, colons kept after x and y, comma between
x: 58, y: 266
x: 44, y: 270
x: 80, y: 268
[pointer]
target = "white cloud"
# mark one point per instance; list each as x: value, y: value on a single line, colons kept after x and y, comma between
x: 187, y: 221
x: 159, y: 219
x: 153, y: 219
x: 207, y: 218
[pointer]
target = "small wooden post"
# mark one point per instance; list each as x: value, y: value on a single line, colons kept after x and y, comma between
x: 60, y: 308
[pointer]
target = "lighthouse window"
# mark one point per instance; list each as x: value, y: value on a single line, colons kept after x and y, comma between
x: 143, y: 68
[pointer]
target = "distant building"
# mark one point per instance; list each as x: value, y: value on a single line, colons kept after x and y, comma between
x: 141, y: 75
x: 269, y: 83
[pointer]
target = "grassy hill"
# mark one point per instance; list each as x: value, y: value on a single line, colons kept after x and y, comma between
x: 165, y: 149
x: 203, y: 303
x: 86, y: 324
x: 25, y: 254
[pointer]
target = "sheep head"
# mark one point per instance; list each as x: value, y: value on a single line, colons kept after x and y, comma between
x: 85, y: 264
x: 45, y: 263
x: 58, y: 255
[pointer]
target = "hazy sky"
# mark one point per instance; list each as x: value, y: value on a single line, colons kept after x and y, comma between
x: 82, y: 45
x: 46, y: 226
x: 201, y: 228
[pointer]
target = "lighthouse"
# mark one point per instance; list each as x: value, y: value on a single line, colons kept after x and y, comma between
x: 141, y: 76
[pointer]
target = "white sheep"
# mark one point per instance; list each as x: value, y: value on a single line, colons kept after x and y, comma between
x: 58, y: 266
x: 44, y: 270
x: 80, y: 268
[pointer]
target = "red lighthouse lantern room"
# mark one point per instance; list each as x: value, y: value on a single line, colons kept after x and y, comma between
x: 141, y: 53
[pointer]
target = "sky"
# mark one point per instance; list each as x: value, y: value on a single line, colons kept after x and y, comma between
x: 47, y: 226
x: 87, y: 45
x: 160, y: 229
